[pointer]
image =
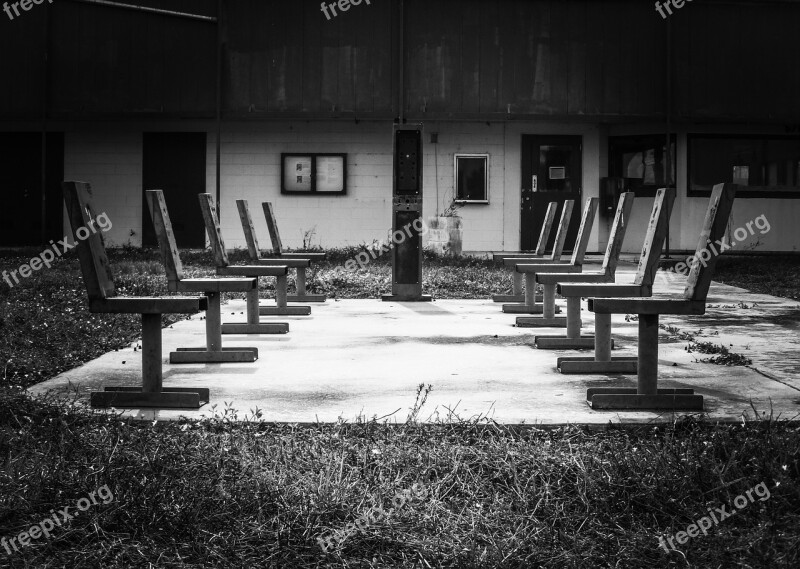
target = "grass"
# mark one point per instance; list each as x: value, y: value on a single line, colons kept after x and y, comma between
x: 219, y: 493
x: 775, y: 275
x: 224, y: 492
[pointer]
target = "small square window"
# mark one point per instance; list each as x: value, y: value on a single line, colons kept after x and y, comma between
x: 472, y: 178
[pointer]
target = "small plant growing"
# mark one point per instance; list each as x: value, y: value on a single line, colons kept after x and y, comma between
x: 723, y: 357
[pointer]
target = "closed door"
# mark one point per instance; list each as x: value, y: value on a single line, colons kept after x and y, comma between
x: 175, y: 162
x: 551, y: 172
x: 28, y: 217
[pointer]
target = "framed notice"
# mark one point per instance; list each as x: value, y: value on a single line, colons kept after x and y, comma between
x: 314, y: 174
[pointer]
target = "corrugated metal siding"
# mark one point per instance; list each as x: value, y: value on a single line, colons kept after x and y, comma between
x: 463, y: 59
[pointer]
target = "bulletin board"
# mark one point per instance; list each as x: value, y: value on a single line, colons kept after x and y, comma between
x: 314, y: 174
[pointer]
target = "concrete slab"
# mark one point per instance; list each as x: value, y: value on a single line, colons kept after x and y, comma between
x: 365, y: 358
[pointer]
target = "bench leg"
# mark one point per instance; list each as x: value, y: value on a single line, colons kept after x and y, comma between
x: 648, y: 354
x: 573, y: 340
x: 254, y: 325
x: 281, y: 296
x: 516, y: 296
x: 152, y: 394
x: 214, y: 322
x: 647, y: 395
x: 602, y: 337
x: 213, y: 352
x: 549, y: 301
x: 302, y: 294
x: 574, y: 323
x: 152, y: 374
x: 529, y: 306
x: 602, y: 361
x: 516, y: 287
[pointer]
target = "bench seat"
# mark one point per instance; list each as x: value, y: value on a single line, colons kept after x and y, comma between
x: 216, y: 285
x: 653, y: 306
x: 547, y: 268
x: 291, y: 263
x: 607, y: 290
x: 585, y: 277
x: 515, y: 261
x: 252, y: 271
x: 309, y: 256
x: 148, y: 305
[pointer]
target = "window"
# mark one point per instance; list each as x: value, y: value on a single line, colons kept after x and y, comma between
x: 314, y: 174
x: 472, y: 178
x: 642, y: 162
x: 768, y: 165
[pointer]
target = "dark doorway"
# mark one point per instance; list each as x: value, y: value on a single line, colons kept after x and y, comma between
x: 551, y: 172
x: 175, y: 162
x: 25, y: 209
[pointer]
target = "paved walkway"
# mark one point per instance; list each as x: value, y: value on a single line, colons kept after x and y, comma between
x: 365, y: 358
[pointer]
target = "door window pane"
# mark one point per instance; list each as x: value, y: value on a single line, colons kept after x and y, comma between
x: 555, y: 163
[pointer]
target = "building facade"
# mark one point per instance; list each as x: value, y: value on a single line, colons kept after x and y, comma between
x: 522, y: 103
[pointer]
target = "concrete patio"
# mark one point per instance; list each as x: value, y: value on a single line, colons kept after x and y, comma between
x: 365, y: 358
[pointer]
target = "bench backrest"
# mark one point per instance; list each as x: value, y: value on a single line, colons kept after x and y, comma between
x: 563, y: 227
x: 655, y: 237
x: 166, y: 237
x: 547, y: 226
x: 618, y: 229
x: 212, y: 229
x: 272, y: 225
x: 249, y: 230
x: 91, y: 250
x: 714, y: 226
x: 582, y: 241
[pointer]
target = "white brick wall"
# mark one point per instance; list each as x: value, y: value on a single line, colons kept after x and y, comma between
x: 112, y: 161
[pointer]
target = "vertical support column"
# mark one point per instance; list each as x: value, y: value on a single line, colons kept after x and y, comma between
x: 574, y: 317
x: 281, y: 284
x: 648, y: 355
x: 300, y: 282
x: 530, y: 288
x: 252, y: 307
x: 602, y: 337
x: 213, y: 323
x: 549, y: 311
x: 152, y: 378
x: 517, y: 286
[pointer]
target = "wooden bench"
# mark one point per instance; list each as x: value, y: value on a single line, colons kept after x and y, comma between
x: 575, y: 265
x: 539, y: 253
x: 224, y: 268
x: 647, y: 395
x: 99, y: 284
x: 642, y: 286
x: 277, y: 250
x: 256, y: 260
x: 213, y: 352
x: 606, y: 273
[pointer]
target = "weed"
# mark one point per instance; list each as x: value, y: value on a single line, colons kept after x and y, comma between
x: 723, y: 357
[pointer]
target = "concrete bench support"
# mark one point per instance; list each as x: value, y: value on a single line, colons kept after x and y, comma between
x: 647, y: 395
x: 224, y: 268
x: 99, y: 282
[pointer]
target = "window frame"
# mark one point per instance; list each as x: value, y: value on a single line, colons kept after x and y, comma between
x: 644, y: 190
x: 314, y: 156
x: 486, y: 157
x: 786, y: 192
